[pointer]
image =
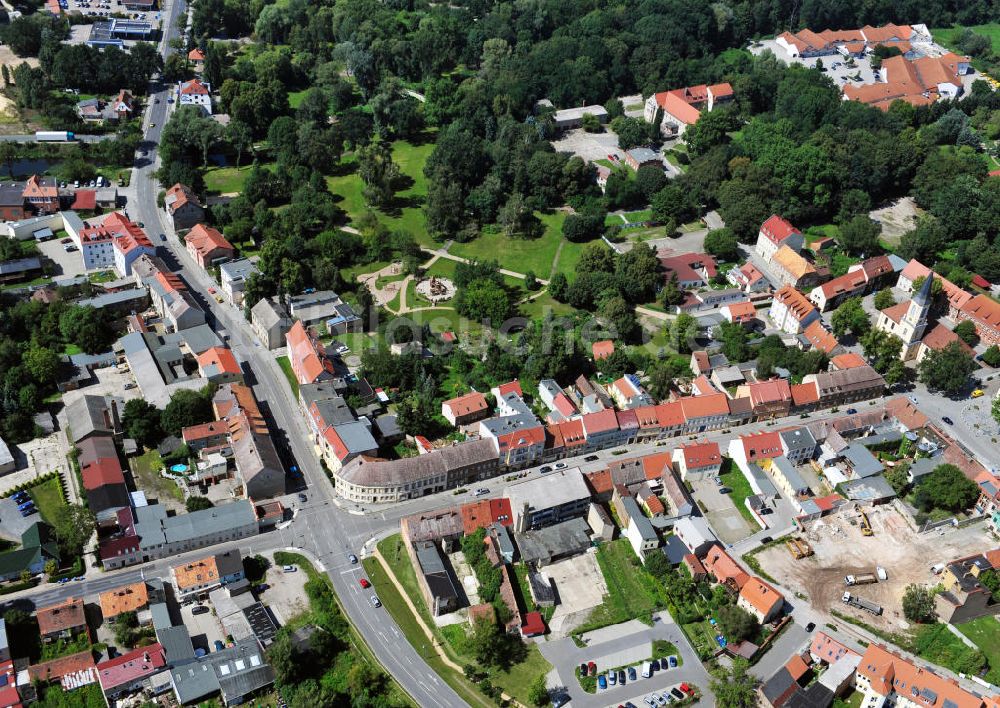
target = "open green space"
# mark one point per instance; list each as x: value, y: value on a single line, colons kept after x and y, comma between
x: 985, y: 633
x: 514, y: 682
x: 146, y: 470
x: 632, y: 592
x: 295, y: 98
x: 226, y: 180
x: 946, y: 36
x: 286, y: 368
x: 734, y: 479
x: 406, y: 213
x: 851, y: 699
x: 71, y: 349
x: 522, y: 254
x: 937, y: 644
x: 64, y: 647
x: 702, y: 637
x: 48, y: 497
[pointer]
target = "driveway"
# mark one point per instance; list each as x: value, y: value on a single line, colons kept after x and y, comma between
x: 722, y: 514
x: 609, y: 646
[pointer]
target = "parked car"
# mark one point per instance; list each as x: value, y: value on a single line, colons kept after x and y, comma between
x: 364, y: 583
x: 725, y: 490
x: 947, y: 420
x: 219, y: 646
x: 544, y: 469
x: 677, y: 693
x: 303, y: 498
x: 718, y: 481
x: 852, y: 411
x: 199, y: 610
x: 482, y: 491
x: 353, y: 558
x: 288, y: 568
x: 592, y: 667
x: 621, y: 676
x: 583, y: 668
x: 673, y: 661
x: 631, y: 673
x: 560, y: 465
x: 655, y: 664
x: 810, y: 627
x: 612, y: 678
x: 591, y: 458
x: 602, y: 682
x: 375, y: 601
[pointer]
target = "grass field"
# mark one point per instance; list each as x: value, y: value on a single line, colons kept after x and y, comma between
x: 945, y: 36
x: 938, y: 645
x: 632, y: 592
x: 985, y: 632
x: 406, y: 213
x: 522, y: 255
x: 735, y: 480
x: 48, y: 497
x: 286, y: 367
x: 226, y: 180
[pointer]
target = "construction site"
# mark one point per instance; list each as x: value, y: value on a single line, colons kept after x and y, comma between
x: 867, y: 543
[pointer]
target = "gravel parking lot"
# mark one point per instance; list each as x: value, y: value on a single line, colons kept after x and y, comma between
x: 285, y: 595
x: 589, y: 146
x: 722, y: 514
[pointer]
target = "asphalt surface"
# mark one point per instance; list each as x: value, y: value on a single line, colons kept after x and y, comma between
x: 30, y: 138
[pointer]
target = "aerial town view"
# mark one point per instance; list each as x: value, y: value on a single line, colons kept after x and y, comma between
x: 594, y: 353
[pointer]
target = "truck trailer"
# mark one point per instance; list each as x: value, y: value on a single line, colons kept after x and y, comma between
x: 54, y: 136
x: 862, y: 604
x: 860, y: 579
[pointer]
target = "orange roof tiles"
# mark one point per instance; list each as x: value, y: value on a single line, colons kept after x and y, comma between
x: 307, y: 354
x: 761, y: 446
x: 761, y: 596
x: 671, y: 414
x: 38, y: 188
x: 885, y: 670
x: 600, y: 421
x: 194, y: 87
x: 695, y: 407
x: 701, y: 455
x: 742, y: 311
x: 723, y: 567
x: 771, y: 391
x: 472, y: 402
x: 222, y: 357
x: 792, y: 263
x: 805, y: 394
x: 983, y: 310
x: 957, y: 297
x: 848, y: 360
x: 511, y: 387
x: 820, y: 337
x: 196, y: 55
x: 828, y: 649
x: 196, y: 573
x: 128, y: 598
x: 656, y: 465
x: 205, y: 239
x: 602, y: 349
x: 60, y: 617
x: 796, y: 667
x: 600, y: 481
x: 480, y: 514
x: 797, y: 303
x: 896, y: 312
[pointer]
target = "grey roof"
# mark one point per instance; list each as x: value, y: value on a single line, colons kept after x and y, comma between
x: 868, y: 489
x: 695, y: 529
x: 260, y: 623
x: 356, y: 436
x: 502, y: 535
x: 198, y: 338
x: 565, y: 538
x: 321, y: 391
x: 4, y: 644
x: 115, y: 298
x: 88, y: 414
x: 861, y: 460
x: 674, y: 549
x: 269, y: 312
x: 176, y: 643
x: 887, y: 436
x: 312, y: 307
x: 160, y: 613
x: 241, y: 670
x: 258, y: 463
x: 646, y: 531
x: 798, y: 438
x: 778, y: 685
x: 5, y: 455
x: 237, y: 270
x: 641, y: 154
x: 194, y: 681
x: 764, y: 482
x: 12, y: 194
x: 553, y: 490
x: 923, y: 466
x: 389, y: 473
x: 19, y: 265
x: 228, y: 563
x: 154, y: 527
x: 781, y: 465
x: 435, y: 572
x: 565, y: 114
x: 387, y: 426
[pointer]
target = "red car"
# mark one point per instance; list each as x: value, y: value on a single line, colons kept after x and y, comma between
x: 212, y: 291
x: 593, y: 668
x: 687, y: 689
x: 364, y: 583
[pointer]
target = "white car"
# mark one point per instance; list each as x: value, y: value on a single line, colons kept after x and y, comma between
x: 288, y: 569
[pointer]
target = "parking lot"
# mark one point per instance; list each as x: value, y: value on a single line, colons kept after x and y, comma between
x: 724, y: 517
x: 69, y: 264
x: 285, y: 594
x: 834, y: 66
x: 205, y: 628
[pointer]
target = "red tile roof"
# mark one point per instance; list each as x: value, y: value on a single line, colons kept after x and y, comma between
x: 194, y: 87
x: 742, y: 311
x: 771, y: 391
x: 884, y: 670
x: 820, y: 337
x: 205, y: 239
x: 761, y: 596
x: 600, y: 481
x: 472, y: 402
x: 57, y: 668
x: 723, y: 567
x: 896, y: 312
x: 84, y: 200
x: 221, y: 357
x: 687, y: 265
x: 137, y: 664
x: 805, y: 394
x: 701, y: 455
x: 656, y: 465
x: 101, y: 472
x: 525, y: 437
x: 600, y: 421
x: 797, y: 303
x: 685, y: 103
x: 983, y: 310
x: 828, y: 649
x: 602, y: 349
x: 957, y: 297
x: 671, y: 415
x: 196, y: 55
x: 60, y: 617
x: 534, y: 625
x: 480, y: 514
x: 848, y: 360
x: 776, y: 229
x: 510, y: 386
x: 307, y: 355
x: 695, y: 407
x: 761, y: 446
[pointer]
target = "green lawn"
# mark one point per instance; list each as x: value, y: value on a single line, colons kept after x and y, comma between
x: 71, y: 349
x: 226, y: 180
x: 295, y: 98
x: 852, y: 699
x: 938, y: 645
x: 146, y: 470
x: 634, y: 216
x: 406, y: 214
x: 286, y: 367
x: 985, y: 632
x: 48, y: 497
x: 702, y: 637
x: 735, y: 480
x: 632, y: 592
x: 946, y: 35
x: 522, y: 255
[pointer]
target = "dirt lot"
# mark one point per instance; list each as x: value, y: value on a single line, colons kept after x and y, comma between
x: 286, y: 595
x: 580, y: 586
x: 10, y: 122
x: 896, y: 219
x: 840, y: 549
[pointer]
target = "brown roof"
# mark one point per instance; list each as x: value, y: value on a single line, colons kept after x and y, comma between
x: 940, y: 336
x: 68, y: 614
x: 57, y: 668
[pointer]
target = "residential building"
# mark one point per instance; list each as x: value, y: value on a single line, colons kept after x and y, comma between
x: 894, y: 680
x: 838, y: 387
x: 207, y: 246
x: 787, y: 478
x: 908, y: 320
x: 219, y: 366
x: 638, y: 529
x: 627, y: 392
x: 860, y: 279
x: 760, y: 599
x: 641, y: 157
x: 486, y: 512
x: 695, y: 533
x: 808, y: 44
x: 693, y: 270
x: 938, y: 338
x: 791, y: 311
x: 323, y: 307
x: 465, y: 409
x: 63, y: 620
x: 742, y: 313
x: 41, y: 194
x: 703, y: 413
x: 964, y: 597
x: 233, y: 276
x: 195, y: 93
x: 93, y: 416
x: 768, y: 399
x: 436, y: 584
x: 172, y: 299
x: 548, y: 500
x: 372, y: 481
x: 307, y: 355
x: 919, y: 82
x: 127, y: 598
x: 339, y: 444
x: 984, y: 313
x: 747, y: 278
x: 775, y: 233
x: 682, y: 107
x: 798, y: 445
x: 270, y: 322
x: 38, y: 546
x: 104, y: 484
x: 116, y: 243
x: 792, y: 269
x: 817, y: 336
x: 755, y: 448
x: 723, y: 568
x: 697, y: 460
x: 183, y: 207
x: 131, y: 672
x: 197, y: 578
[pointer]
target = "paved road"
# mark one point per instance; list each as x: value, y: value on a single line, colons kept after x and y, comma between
x: 79, y: 138
x: 565, y: 656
